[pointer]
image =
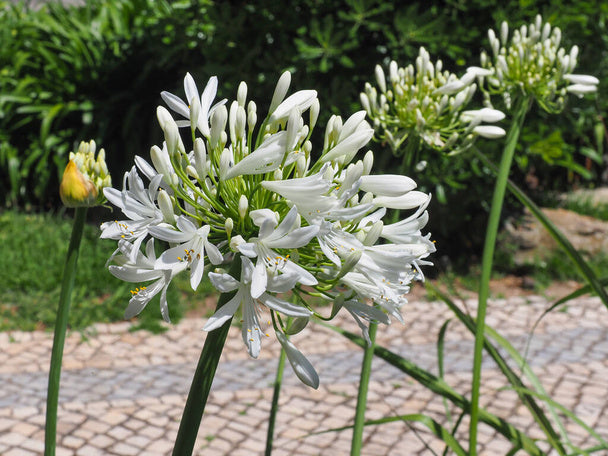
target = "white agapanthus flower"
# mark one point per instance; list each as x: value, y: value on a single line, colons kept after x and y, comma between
x: 531, y: 62
x: 280, y: 226
x: 424, y: 103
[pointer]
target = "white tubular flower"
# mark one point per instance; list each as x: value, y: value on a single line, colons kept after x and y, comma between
x: 287, y: 235
x: 360, y: 310
x: 301, y: 101
x: 192, y: 247
x: 252, y: 195
x: 251, y: 331
x: 144, y: 269
x: 264, y: 159
x: 206, y: 99
x: 138, y: 204
x: 532, y: 63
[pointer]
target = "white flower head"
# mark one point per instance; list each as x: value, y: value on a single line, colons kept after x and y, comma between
x: 250, y: 197
x: 422, y: 102
x: 532, y: 62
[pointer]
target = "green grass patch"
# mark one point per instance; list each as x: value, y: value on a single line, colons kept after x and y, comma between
x: 587, y: 206
x: 32, y: 256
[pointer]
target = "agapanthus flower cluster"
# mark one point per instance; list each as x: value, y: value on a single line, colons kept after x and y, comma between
x: 532, y: 63
x: 249, y: 201
x: 85, y: 177
x: 424, y: 103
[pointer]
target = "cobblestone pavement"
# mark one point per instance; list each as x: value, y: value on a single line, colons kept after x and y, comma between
x: 122, y: 393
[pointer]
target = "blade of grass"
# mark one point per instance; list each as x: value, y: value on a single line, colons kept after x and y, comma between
x: 556, y: 234
x: 548, y: 399
x: 429, y: 422
x: 536, y: 411
x: 440, y: 347
x: 564, y: 300
x: 440, y: 387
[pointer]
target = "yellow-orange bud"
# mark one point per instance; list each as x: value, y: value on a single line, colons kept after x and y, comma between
x: 84, y: 177
x: 75, y: 189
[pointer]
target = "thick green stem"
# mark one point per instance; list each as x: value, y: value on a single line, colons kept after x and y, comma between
x: 203, y: 378
x: 366, y: 371
x: 487, y: 260
x: 61, y: 324
x: 278, y: 381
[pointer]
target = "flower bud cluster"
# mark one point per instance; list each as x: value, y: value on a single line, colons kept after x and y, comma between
x: 532, y: 63
x: 423, y: 102
x: 241, y: 192
x: 85, y: 177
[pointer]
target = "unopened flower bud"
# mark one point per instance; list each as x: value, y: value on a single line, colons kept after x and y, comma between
x: 243, y: 206
x: 229, y: 226
x: 241, y: 95
x: 166, y: 207
x: 84, y: 177
x: 200, y: 158
x: 280, y: 91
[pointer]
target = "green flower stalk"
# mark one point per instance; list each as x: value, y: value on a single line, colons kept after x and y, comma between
x: 530, y: 67
x: 81, y: 187
x: 233, y: 191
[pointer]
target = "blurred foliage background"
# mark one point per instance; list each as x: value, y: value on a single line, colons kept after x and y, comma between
x: 96, y: 71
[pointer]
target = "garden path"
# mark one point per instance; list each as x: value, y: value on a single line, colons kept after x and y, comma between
x: 123, y: 392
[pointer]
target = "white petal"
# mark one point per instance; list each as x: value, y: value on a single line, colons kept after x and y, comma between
x: 301, y: 100
x: 296, y: 239
x: 134, y: 274
x: 251, y: 331
x: 190, y: 88
x: 224, y: 313
x: 351, y: 124
x: 139, y: 301
x: 224, y: 283
x: 176, y: 104
x: 264, y: 159
x: 287, y: 308
x: 349, y: 145
x: 259, y: 279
